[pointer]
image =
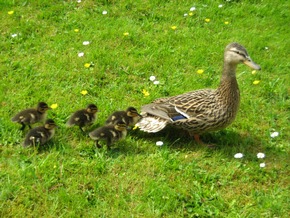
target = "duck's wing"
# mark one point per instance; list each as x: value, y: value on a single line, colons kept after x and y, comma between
x: 177, y: 108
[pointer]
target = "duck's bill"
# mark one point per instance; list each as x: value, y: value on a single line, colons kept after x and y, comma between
x: 252, y: 64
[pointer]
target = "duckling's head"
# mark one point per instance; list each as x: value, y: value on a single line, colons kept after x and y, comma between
x: 132, y: 112
x: 236, y: 53
x: 42, y: 107
x: 120, y: 126
x: 50, y: 124
x: 92, y: 109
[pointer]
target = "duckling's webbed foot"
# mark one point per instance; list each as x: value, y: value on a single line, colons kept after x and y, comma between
x: 81, y: 128
x: 22, y: 126
x: 98, y: 145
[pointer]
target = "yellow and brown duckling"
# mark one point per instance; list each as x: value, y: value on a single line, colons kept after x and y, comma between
x: 41, y: 134
x: 83, y: 117
x: 31, y: 115
x: 130, y: 117
x: 109, y: 133
x: 201, y: 110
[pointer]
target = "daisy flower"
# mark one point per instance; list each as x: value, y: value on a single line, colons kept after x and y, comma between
x: 156, y: 82
x: 81, y: 54
x: 86, y: 43
x: 261, y: 155
x: 192, y: 9
x: 105, y: 12
x: 152, y: 78
x: 274, y: 134
x: 238, y: 155
x: 14, y: 35
x: 262, y: 165
x: 159, y: 143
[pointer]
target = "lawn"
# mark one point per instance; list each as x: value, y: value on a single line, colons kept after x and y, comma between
x: 73, y: 53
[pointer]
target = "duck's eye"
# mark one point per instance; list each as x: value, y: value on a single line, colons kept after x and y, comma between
x: 240, y: 53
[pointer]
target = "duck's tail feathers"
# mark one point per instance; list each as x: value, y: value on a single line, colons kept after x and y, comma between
x: 151, y: 124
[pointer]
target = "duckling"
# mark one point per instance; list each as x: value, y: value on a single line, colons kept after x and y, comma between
x: 83, y: 117
x: 41, y: 134
x: 31, y: 116
x: 109, y: 133
x: 202, y: 110
x: 130, y: 117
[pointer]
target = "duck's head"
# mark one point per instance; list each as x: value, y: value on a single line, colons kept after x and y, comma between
x: 50, y: 124
x: 236, y: 53
x: 42, y: 107
x: 132, y: 112
x: 120, y: 126
x: 91, y: 108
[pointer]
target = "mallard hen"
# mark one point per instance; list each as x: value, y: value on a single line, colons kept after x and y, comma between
x: 83, y: 117
x: 109, y: 133
x: 130, y: 117
x: 31, y: 115
x: 41, y: 134
x: 201, y: 110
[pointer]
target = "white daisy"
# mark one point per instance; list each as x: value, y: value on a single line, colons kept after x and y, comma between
x: 81, y: 54
x: 260, y: 155
x: 156, y: 82
x: 238, y: 155
x: 192, y: 9
x: 159, y: 143
x: 86, y: 42
x: 14, y: 35
x: 152, y: 78
x: 262, y: 165
x: 274, y: 134
x: 105, y: 12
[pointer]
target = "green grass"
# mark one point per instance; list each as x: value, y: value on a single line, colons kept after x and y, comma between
x: 70, y: 178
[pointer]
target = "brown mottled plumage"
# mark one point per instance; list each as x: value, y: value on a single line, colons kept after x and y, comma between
x: 109, y: 133
x: 202, y: 110
x: 83, y: 117
x: 40, y: 135
x: 31, y: 115
x: 130, y: 117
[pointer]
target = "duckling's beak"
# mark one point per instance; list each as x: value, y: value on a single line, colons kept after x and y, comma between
x: 251, y: 64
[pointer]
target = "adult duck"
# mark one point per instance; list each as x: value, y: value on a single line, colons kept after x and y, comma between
x: 201, y: 110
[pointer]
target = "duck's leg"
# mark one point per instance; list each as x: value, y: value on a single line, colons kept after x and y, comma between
x: 199, y: 141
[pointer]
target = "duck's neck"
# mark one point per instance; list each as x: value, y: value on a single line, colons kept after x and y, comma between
x: 228, y: 88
